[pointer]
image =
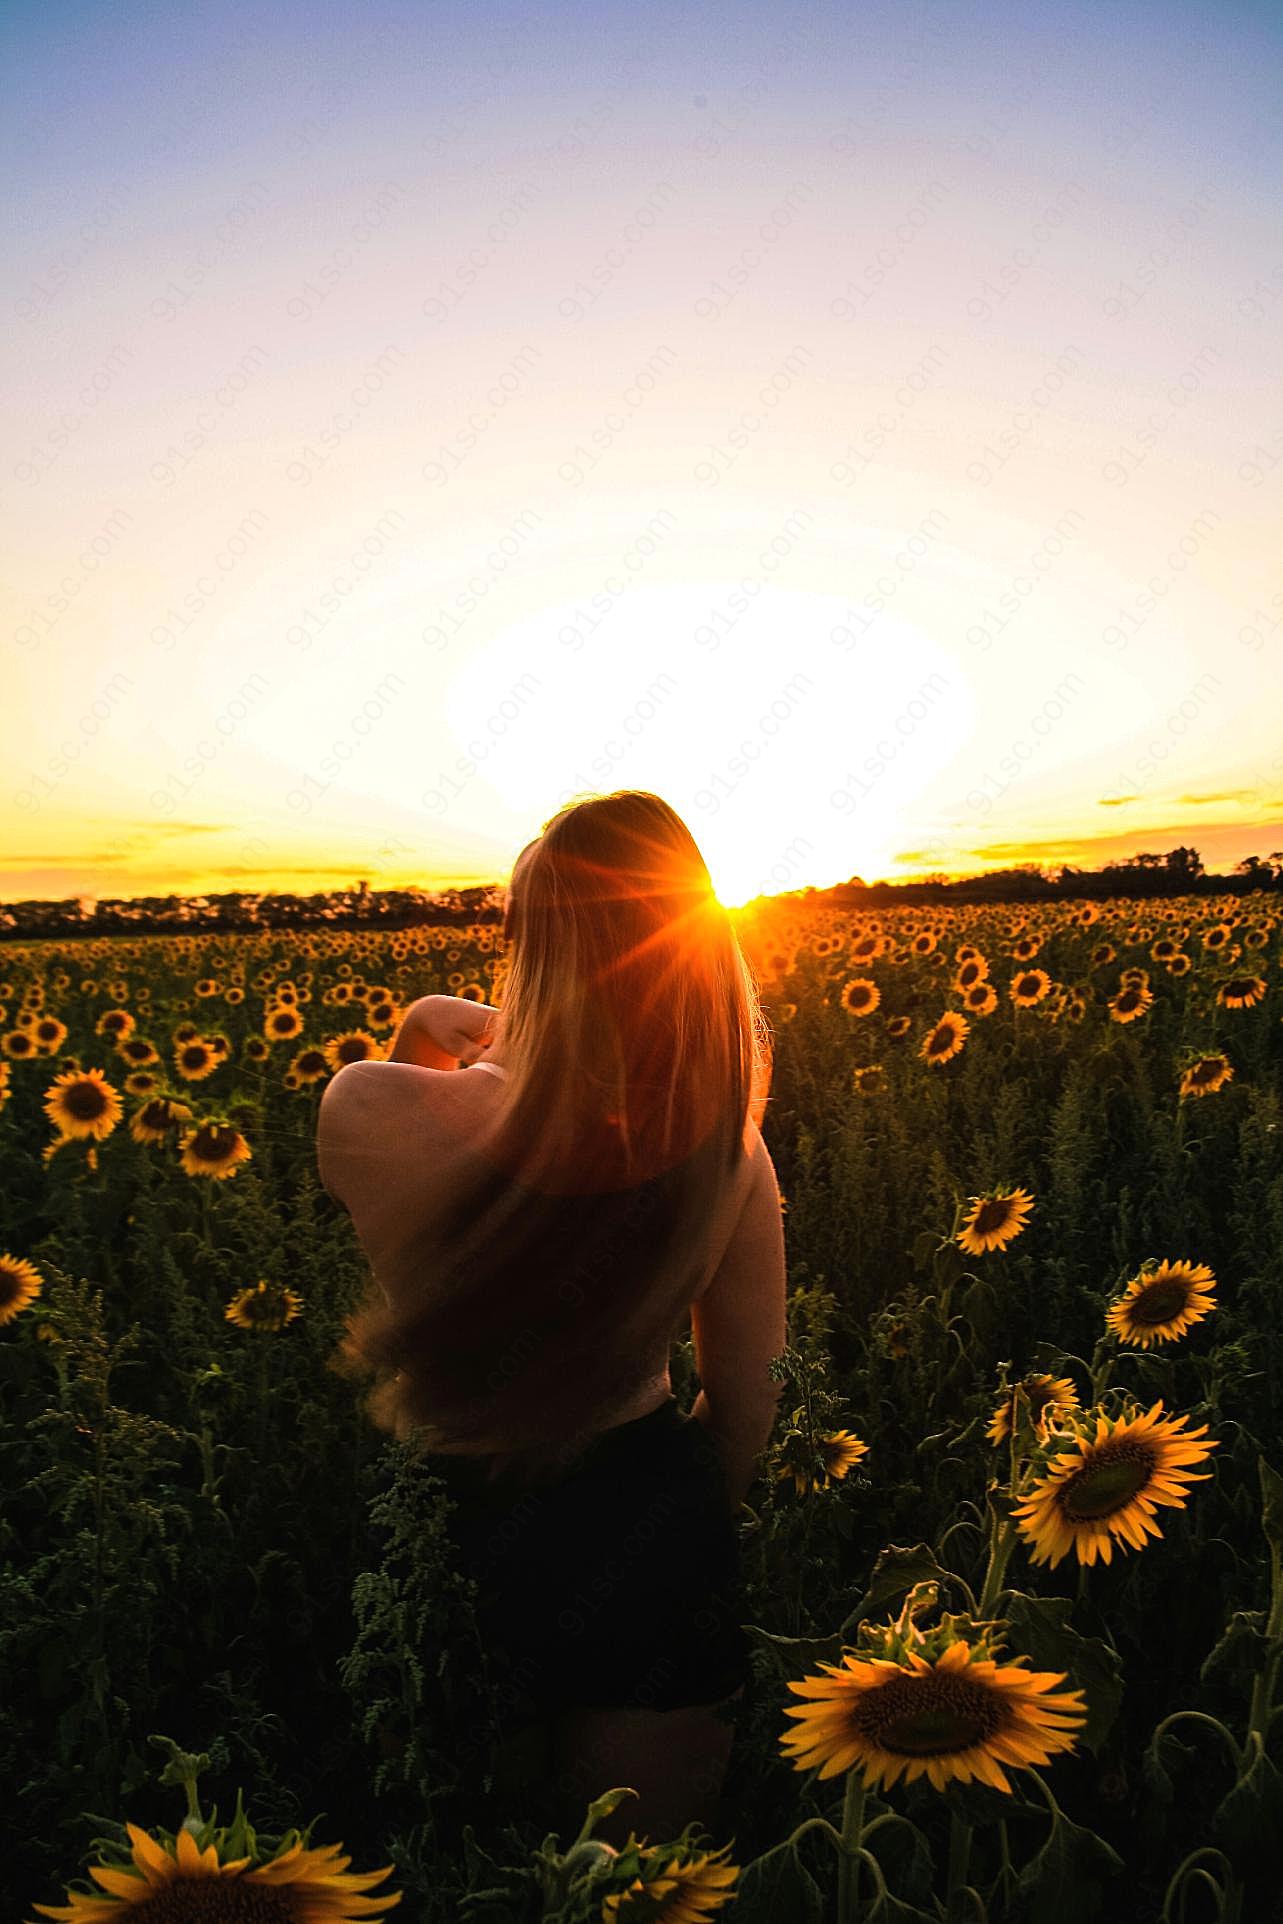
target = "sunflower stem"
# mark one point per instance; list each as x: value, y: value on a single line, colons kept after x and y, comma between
x: 1263, y: 1683
x: 1000, y: 1548
x: 849, y: 1863
x: 959, y: 1860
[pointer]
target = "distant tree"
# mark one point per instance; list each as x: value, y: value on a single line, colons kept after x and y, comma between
x: 1257, y: 873
x: 1184, y: 864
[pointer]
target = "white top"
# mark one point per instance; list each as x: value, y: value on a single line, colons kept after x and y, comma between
x: 495, y: 1068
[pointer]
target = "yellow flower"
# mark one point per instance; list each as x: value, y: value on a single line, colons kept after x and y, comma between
x: 263, y: 1306
x: 1029, y: 986
x: 945, y: 1040
x: 1045, y: 1397
x: 1161, y: 1303
x: 195, y: 1059
x: 995, y: 1220
x: 1206, y: 1076
x: 309, y: 1065
x: 1241, y: 992
x: 20, y: 1284
x: 671, y: 1891
x: 214, y: 1148
x: 1130, y: 1002
x: 839, y: 1451
x: 297, y: 1887
x: 960, y: 1716
x: 157, y: 1118
x: 49, y: 1034
x: 1103, y: 1492
x: 356, y: 1046
x: 860, y: 996
x: 83, y: 1103
x: 282, y: 1023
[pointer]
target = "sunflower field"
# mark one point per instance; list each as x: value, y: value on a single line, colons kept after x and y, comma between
x: 1013, y: 1559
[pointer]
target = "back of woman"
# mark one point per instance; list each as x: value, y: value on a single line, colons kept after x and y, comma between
x: 620, y: 1154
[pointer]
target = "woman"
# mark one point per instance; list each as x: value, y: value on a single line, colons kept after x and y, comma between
x: 546, y: 1192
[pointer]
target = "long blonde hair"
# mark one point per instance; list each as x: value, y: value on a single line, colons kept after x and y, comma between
x: 635, y: 1048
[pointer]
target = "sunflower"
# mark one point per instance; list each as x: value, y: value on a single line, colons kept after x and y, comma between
x: 956, y: 1716
x: 972, y: 972
x: 1161, y: 1303
x: 673, y: 1891
x: 297, y: 1887
x: 18, y: 1045
x: 4, y: 1083
x: 945, y: 1040
x: 1027, y: 948
x: 282, y: 1023
x: 309, y: 1065
x: 1217, y: 936
x: 1241, y: 992
x: 860, y: 996
x: 1206, y: 1076
x: 83, y: 1103
x: 870, y: 1080
x: 1045, y: 1397
x: 194, y: 1059
x: 839, y: 1451
x: 214, y: 1148
x: 20, y: 1284
x: 50, y: 1034
x: 897, y: 1026
x: 982, y: 998
x: 158, y: 1118
x: 141, y: 1082
x: 263, y: 1305
x: 1029, y: 987
x: 1179, y: 965
x: 1130, y: 1002
x: 137, y: 1050
x: 994, y: 1220
x: 923, y: 944
x: 1105, y: 1489
x: 355, y: 1046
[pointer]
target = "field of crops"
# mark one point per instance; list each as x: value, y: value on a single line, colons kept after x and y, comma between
x: 1024, y: 1499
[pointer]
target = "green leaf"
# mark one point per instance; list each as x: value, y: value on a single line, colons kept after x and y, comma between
x: 794, y: 1655
x: 1040, y: 1628
x: 1240, y: 1652
x: 778, y: 1885
x: 1064, y: 1882
x: 1251, y: 1813
x: 894, y: 1575
x: 924, y: 1248
x: 1271, y: 1504
x: 947, y: 1265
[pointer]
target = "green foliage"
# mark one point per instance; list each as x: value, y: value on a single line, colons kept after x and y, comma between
x: 203, y: 1533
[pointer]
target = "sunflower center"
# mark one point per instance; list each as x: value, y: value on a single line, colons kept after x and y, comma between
x: 1159, y: 1303
x: 213, y: 1142
x: 85, y: 1101
x: 215, y: 1900
x: 1108, y: 1483
x: 930, y: 1716
x: 991, y: 1215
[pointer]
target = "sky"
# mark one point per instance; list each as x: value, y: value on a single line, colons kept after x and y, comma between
x: 861, y: 427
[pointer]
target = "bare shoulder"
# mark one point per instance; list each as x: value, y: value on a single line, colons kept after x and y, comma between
x: 366, y: 1111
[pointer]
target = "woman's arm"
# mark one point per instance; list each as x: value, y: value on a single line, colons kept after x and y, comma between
x: 439, y: 1031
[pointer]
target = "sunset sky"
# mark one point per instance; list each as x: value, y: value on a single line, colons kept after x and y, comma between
x: 861, y: 426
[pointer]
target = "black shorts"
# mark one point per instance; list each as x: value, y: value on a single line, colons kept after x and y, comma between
x: 616, y: 1585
